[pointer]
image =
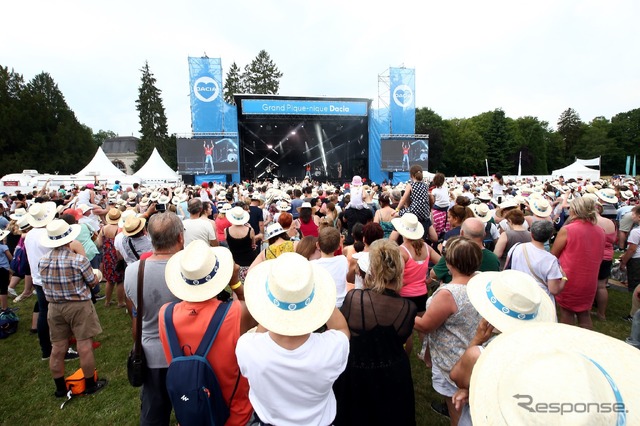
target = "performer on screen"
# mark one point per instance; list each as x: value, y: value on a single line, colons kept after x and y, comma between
x: 405, y: 155
x: 308, y: 171
x: 208, y: 155
x: 339, y: 170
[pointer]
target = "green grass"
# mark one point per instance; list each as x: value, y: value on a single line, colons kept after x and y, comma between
x: 27, y: 397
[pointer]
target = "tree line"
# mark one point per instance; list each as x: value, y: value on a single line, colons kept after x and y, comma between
x: 460, y: 146
x: 38, y: 130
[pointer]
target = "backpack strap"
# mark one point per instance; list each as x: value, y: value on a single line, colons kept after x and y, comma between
x: 172, y: 337
x: 212, y: 330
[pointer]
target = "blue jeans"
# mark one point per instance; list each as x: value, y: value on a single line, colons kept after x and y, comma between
x: 43, y: 325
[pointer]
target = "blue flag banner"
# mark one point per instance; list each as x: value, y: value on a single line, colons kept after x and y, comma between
x: 402, y: 104
x: 205, y: 82
x: 628, y: 167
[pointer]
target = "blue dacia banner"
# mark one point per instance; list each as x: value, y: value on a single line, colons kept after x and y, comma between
x: 205, y: 80
x: 402, y: 104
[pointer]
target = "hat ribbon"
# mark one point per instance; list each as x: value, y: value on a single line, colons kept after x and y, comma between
x: 622, y: 416
x: 289, y: 306
x: 505, y: 310
x: 535, y: 204
x: 203, y: 280
x: 61, y: 236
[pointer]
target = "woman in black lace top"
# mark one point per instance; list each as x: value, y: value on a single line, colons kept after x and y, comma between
x: 380, y: 321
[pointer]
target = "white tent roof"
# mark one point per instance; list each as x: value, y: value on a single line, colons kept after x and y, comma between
x: 577, y: 170
x: 155, y: 169
x: 100, y: 165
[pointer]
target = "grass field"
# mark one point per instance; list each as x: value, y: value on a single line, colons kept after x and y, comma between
x: 28, y: 388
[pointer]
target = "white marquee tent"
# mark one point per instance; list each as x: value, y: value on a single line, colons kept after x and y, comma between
x: 577, y: 170
x: 100, y: 165
x: 155, y: 170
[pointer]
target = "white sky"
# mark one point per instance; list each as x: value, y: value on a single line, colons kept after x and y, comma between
x: 527, y: 57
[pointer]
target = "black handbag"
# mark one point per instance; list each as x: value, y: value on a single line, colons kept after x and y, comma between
x: 136, y: 362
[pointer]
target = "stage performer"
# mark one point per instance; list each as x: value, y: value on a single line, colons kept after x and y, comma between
x: 339, y: 170
x: 308, y: 171
x: 405, y: 155
x: 208, y: 152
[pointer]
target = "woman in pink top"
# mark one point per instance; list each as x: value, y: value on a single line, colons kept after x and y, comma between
x: 579, y: 247
x: 611, y: 236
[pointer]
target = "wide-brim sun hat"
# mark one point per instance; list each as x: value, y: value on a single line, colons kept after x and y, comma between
x: 41, y: 214
x: 199, y: 272
x: 551, y: 374
x: 23, y: 222
x: 144, y: 201
x: 283, y: 206
x: 408, y: 226
x: 482, y: 212
x: 273, y: 230
x: 540, y: 207
x: 607, y: 195
x: 225, y: 208
x: 113, y: 216
x: 510, y: 203
x: 163, y: 199
x: 484, y: 196
x: 21, y: 211
x: 59, y: 233
x: 627, y: 195
x: 3, y: 234
x: 290, y: 295
x: 510, y: 299
x: 305, y: 205
x: 85, y: 208
x: 356, y: 181
x: 237, y: 216
x: 154, y: 196
x: 133, y: 225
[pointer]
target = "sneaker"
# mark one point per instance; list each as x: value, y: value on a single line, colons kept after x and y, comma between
x: 628, y: 318
x: 100, y: 297
x: 71, y: 355
x: 12, y: 292
x: 100, y: 384
x: 440, y: 408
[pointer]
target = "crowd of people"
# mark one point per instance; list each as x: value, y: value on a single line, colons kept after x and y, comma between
x: 318, y: 292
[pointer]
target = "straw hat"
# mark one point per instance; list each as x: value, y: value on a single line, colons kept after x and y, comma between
x: 19, y: 212
x: 540, y: 207
x: 132, y: 195
x: 113, y: 216
x: 112, y: 194
x: 363, y: 260
x: 41, y: 214
x: 98, y: 274
x: 199, y: 272
x: 23, y: 222
x: 123, y: 217
x: 510, y: 299
x: 607, y: 195
x: 59, y: 233
x: 238, y: 216
x: 627, y: 195
x: 225, y: 208
x: 482, y: 212
x: 484, y: 196
x: 273, y: 230
x: 283, y: 206
x: 121, y: 202
x: 3, y: 234
x: 144, y: 201
x: 85, y: 208
x: 133, y: 225
x: 154, y: 196
x: 164, y: 199
x: 508, y: 204
x: 522, y: 375
x: 290, y: 295
x: 408, y: 226
x: 305, y: 205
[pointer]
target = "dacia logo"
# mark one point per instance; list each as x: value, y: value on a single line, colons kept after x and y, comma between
x: 206, y: 89
x: 403, y: 95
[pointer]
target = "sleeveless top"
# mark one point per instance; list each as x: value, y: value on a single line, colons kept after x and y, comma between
x: 276, y: 250
x: 309, y: 228
x: 419, y: 200
x: 609, y: 239
x: 415, y: 275
x: 514, y: 237
x: 241, y: 248
x: 449, y: 341
x: 387, y: 226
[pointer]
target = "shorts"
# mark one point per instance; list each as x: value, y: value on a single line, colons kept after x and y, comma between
x: 633, y: 273
x: 73, y: 318
x: 605, y: 269
x: 441, y: 384
x: 420, y: 301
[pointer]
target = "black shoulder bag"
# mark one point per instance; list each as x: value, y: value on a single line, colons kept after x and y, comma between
x: 136, y: 362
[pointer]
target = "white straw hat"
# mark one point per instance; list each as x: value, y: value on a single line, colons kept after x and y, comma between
x: 199, y: 272
x: 408, y: 226
x: 123, y: 217
x: 283, y: 206
x: 290, y: 295
x: 552, y: 374
x: 607, y: 195
x: 225, y: 208
x: 273, y: 230
x: 59, y: 233
x: 3, y: 234
x: 510, y: 299
x: 482, y: 212
x: 21, y: 211
x: 237, y: 216
x: 41, y: 214
x: 540, y: 207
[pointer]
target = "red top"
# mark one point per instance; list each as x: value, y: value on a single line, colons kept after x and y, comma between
x: 580, y: 260
x: 309, y: 228
x: 191, y: 320
x: 405, y: 151
x: 208, y: 151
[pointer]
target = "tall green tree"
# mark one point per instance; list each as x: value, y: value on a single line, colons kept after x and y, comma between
x: 531, y: 137
x: 570, y: 128
x: 233, y: 83
x: 102, y: 135
x: 262, y: 76
x: 499, y: 143
x: 428, y: 122
x: 465, y: 148
x: 625, y: 130
x: 153, y: 123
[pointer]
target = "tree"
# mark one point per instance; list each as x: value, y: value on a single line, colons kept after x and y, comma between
x: 531, y: 137
x: 153, y: 123
x: 625, y: 130
x: 262, y: 76
x: 499, y: 143
x: 465, y: 148
x: 570, y: 128
x: 428, y: 122
x: 233, y: 84
x: 103, y: 135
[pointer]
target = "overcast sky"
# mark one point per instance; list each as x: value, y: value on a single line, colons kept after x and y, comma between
x: 532, y: 58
